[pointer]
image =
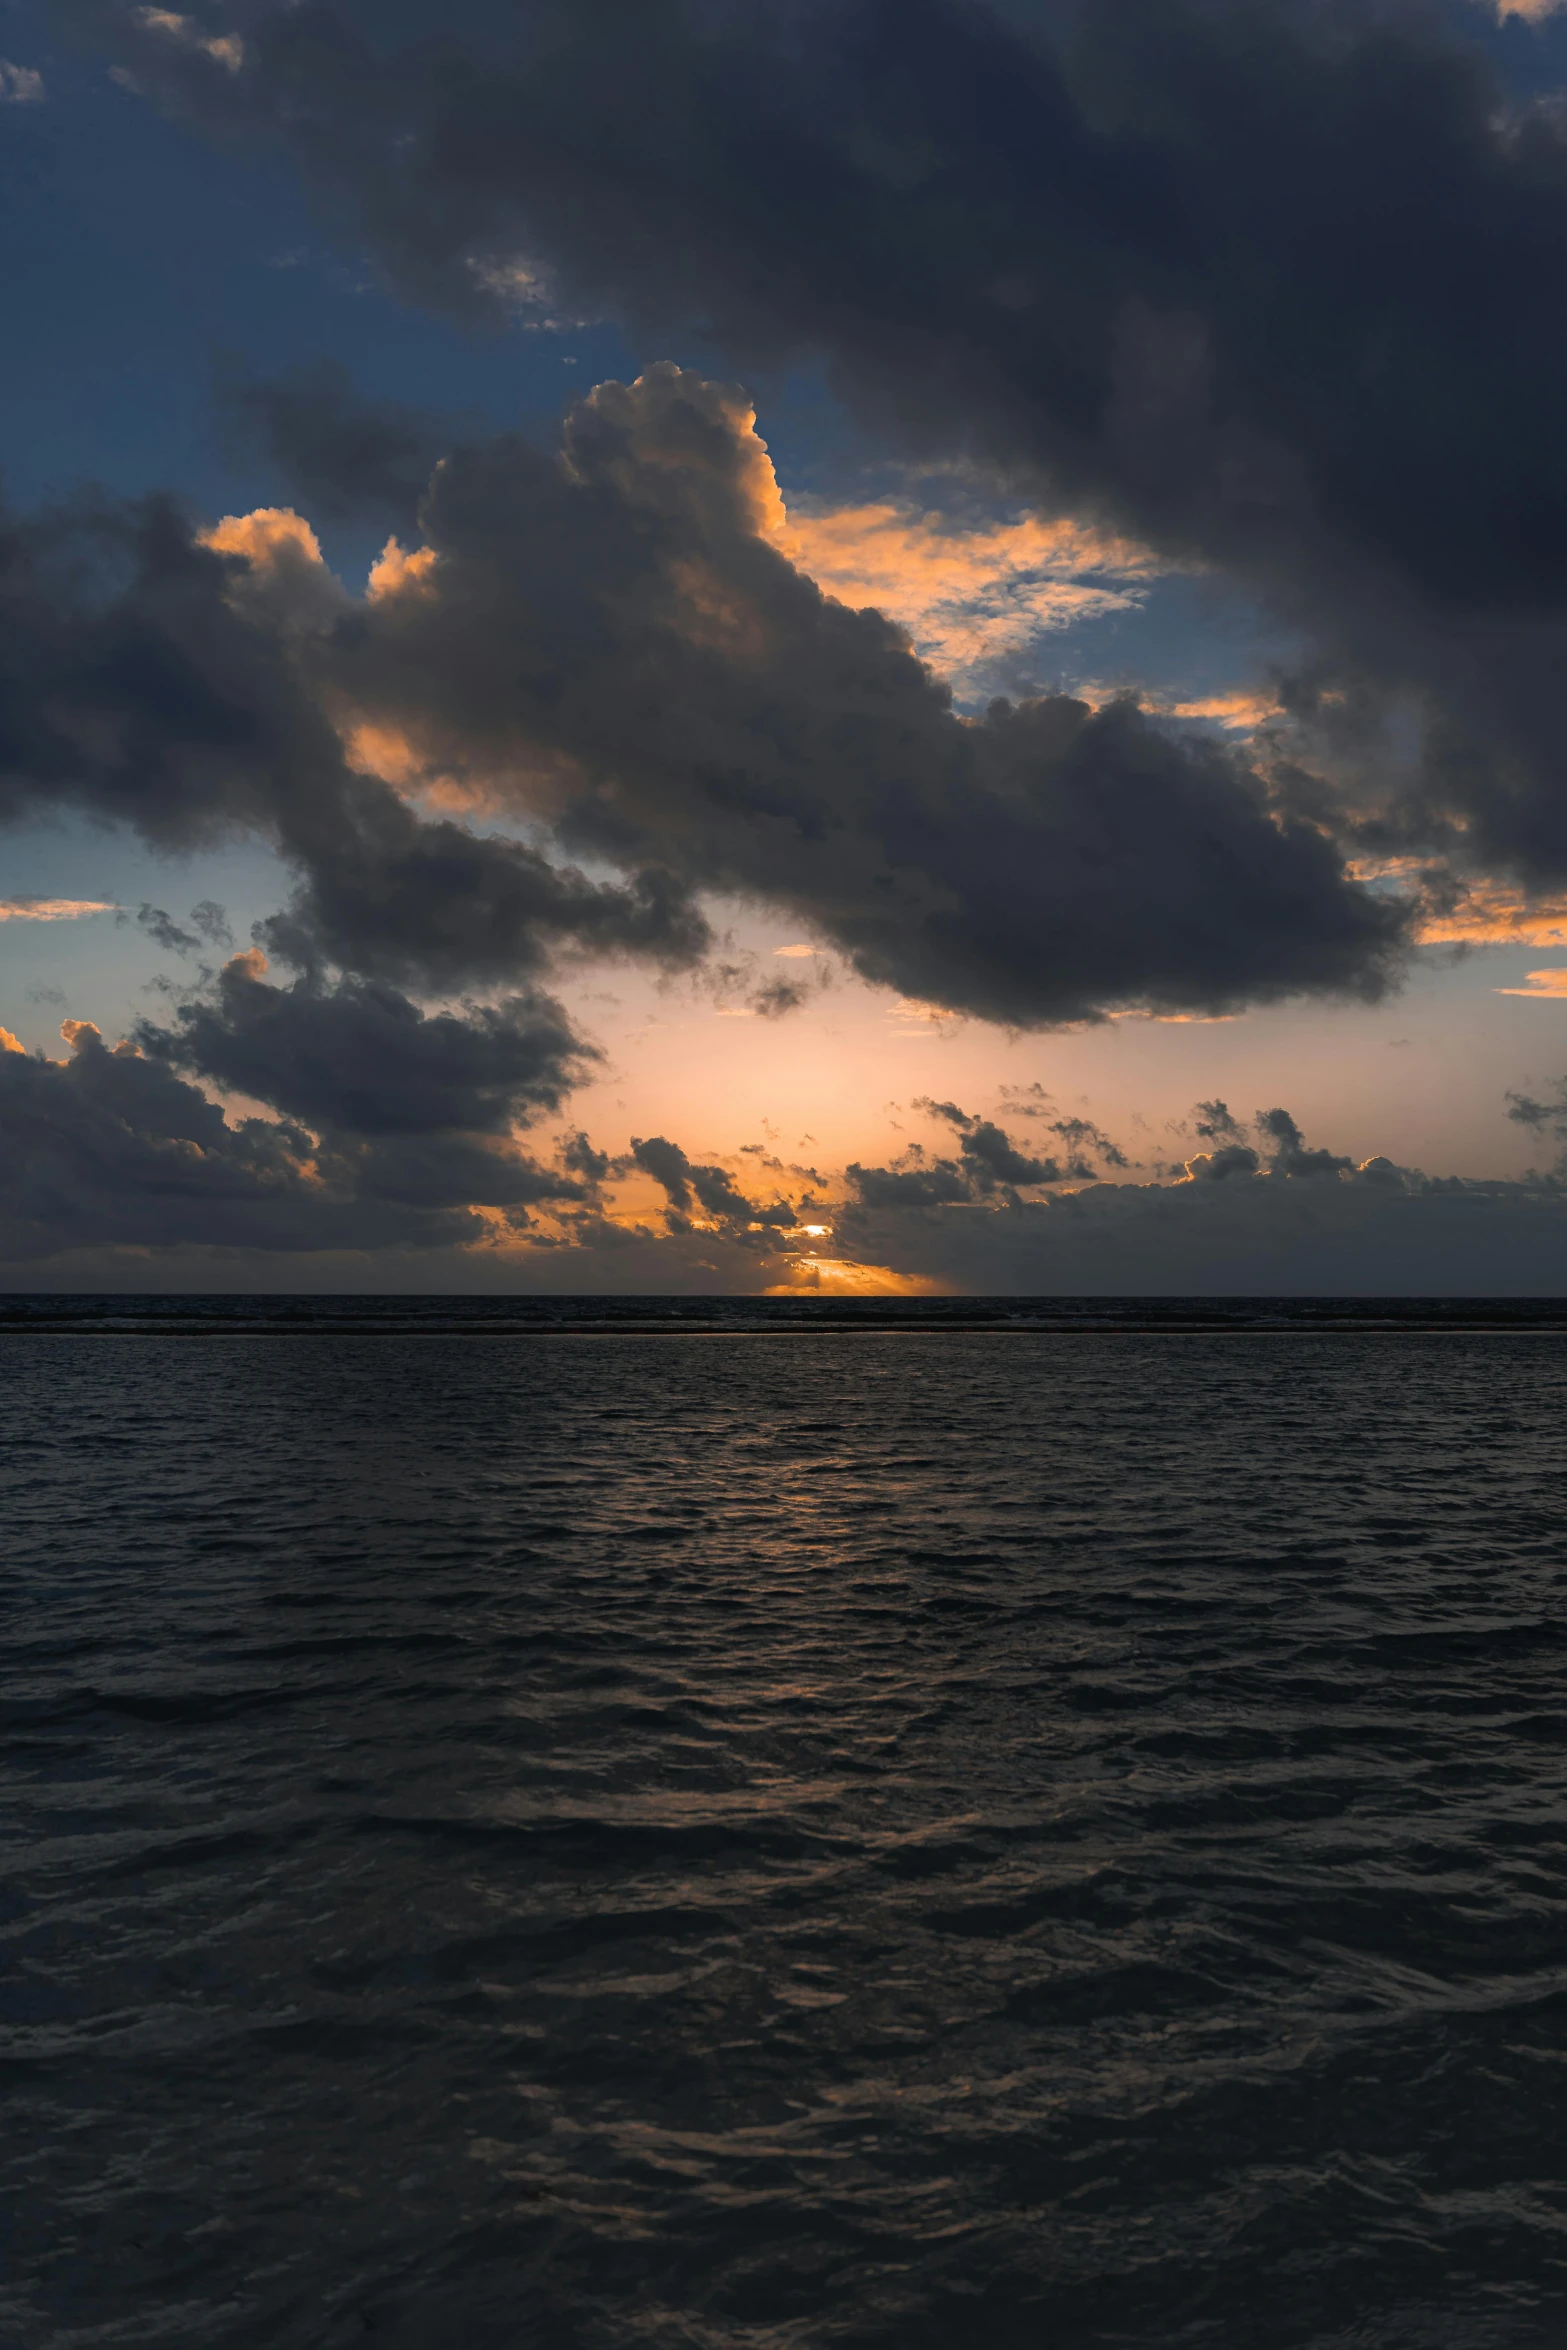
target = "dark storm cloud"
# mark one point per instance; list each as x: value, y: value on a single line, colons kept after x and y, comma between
x: 357, y: 1056
x: 342, y: 454
x: 608, y: 640
x: 154, y: 682
x: 1273, y: 286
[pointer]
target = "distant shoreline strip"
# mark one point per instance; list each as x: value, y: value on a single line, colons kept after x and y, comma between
x: 173, y: 1328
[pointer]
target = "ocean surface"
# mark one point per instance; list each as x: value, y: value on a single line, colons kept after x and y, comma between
x: 1011, y: 1823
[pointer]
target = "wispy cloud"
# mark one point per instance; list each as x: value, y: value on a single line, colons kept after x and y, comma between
x: 1545, y: 984
x: 53, y: 909
x: 970, y: 594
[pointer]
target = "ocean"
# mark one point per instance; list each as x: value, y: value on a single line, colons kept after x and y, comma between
x: 760, y: 1824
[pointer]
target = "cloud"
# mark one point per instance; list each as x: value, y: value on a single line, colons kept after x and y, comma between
x: 710, y: 1189
x: 972, y: 595
x: 357, y: 1056
x: 1269, y: 290
x: 53, y: 909
x: 158, y: 677
x: 604, y: 646
x: 223, y: 49
x: 110, y: 1148
x: 20, y: 85
x: 1290, y: 1155
x: 113, y: 1151
x: 343, y: 454
x: 1546, y: 986
x: 1542, y: 1117
x: 610, y: 641
x: 397, y: 1133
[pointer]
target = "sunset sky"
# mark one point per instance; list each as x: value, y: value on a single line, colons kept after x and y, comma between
x: 762, y: 644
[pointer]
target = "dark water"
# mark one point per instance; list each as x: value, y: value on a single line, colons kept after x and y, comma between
x: 896, y: 1838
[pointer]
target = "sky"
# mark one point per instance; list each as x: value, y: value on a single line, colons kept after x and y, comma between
x: 766, y: 645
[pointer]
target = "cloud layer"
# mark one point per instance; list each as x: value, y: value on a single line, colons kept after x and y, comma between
x: 1270, y: 288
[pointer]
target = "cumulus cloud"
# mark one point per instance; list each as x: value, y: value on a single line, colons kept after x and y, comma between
x: 610, y: 640
x: 397, y: 1133
x: 1269, y: 289
x: 356, y: 1055
x: 111, y: 1148
x: 157, y: 676
x: 606, y: 644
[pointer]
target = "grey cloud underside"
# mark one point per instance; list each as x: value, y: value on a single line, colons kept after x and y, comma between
x: 343, y: 455
x: 610, y: 645
x: 358, y: 1057
x: 395, y: 1125
x: 1271, y: 285
x: 1288, y: 1218
x: 140, y: 684
x: 610, y: 641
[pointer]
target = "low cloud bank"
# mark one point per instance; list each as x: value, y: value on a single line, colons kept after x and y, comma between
x: 121, y: 1173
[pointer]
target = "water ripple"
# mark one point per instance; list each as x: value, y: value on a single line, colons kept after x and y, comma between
x: 881, y: 1841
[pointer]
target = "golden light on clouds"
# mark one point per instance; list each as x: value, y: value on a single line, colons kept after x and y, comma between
x: 9, y: 1043
x: 53, y: 909
x: 264, y: 537
x: 840, y: 1277
x: 1236, y: 710
x: 968, y: 594
x: 1545, y: 985
x: 225, y: 49
x: 1495, y: 913
x: 397, y: 570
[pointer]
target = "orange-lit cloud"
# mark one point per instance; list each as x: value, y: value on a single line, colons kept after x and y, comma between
x: 969, y: 595
x: 9, y: 1043
x: 287, y: 577
x: 398, y: 571
x: 1544, y: 984
x: 225, y: 49
x: 53, y: 909
x: 1238, y: 710
x: 1495, y: 913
